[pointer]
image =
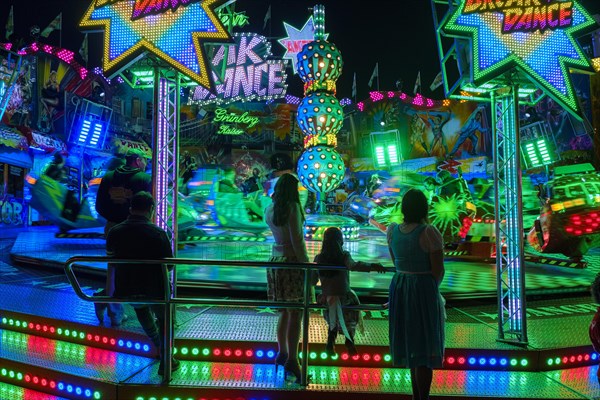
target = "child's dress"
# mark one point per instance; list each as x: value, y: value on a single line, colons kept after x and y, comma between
x: 336, y: 292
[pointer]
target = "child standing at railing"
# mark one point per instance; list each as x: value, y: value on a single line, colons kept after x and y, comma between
x: 336, y: 292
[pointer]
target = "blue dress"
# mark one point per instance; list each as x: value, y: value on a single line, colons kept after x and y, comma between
x: 416, y: 312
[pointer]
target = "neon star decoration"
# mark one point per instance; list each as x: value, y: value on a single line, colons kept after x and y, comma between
x: 175, y: 34
x: 296, y: 38
x: 536, y: 36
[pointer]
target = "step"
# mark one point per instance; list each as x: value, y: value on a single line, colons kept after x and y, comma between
x: 248, y: 336
x: 80, y: 372
x: 11, y: 392
x: 65, y: 369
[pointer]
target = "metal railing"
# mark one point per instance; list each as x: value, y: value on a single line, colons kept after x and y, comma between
x: 169, y: 301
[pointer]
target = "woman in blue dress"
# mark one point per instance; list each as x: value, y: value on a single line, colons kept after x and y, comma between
x: 416, y: 308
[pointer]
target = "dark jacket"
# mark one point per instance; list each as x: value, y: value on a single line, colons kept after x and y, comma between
x: 138, y: 238
x: 116, y: 190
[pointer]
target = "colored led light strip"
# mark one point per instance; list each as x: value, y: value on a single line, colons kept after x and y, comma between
x: 63, y: 333
x: 380, y: 156
x: 44, y: 382
x: 85, y: 131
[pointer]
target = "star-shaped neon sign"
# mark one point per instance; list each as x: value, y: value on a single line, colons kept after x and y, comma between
x: 296, y: 38
x: 175, y: 34
x: 539, y: 41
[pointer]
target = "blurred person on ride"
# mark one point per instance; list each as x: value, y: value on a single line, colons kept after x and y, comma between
x: 416, y: 309
x: 227, y: 185
x: 285, y: 217
x: 56, y: 169
x: 336, y: 291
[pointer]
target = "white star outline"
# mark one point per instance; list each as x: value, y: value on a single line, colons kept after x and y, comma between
x: 294, y: 34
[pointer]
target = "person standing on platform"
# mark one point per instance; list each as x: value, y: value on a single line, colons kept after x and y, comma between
x: 138, y: 238
x: 286, y: 220
x: 116, y: 190
x: 416, y: 316
x: 336, y: 292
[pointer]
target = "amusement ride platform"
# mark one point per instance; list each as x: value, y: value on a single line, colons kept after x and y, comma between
x: 52, y: 346
x: 465, y: 278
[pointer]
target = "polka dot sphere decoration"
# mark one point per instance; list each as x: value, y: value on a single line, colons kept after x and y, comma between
x: 320, y: 114
x: 319, y: 61
x: 321, y: 169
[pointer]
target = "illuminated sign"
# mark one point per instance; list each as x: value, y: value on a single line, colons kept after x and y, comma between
x: 232, y: 19
x: 175, y: 31
x: 536, y: 36
x: 526, y: 16
x: 243, y: 71
x: 245, y: 119
x: 11, y: 212
x: 296, y: 39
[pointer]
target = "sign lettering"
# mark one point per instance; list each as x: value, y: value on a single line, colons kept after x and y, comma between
x: 243, y: 71
x: 11, y: 212
x: 526, y: 15
x: 221, y: 115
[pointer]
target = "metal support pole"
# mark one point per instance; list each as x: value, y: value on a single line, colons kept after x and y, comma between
x: 512, y: 324
x: 167, y: 350
x: 305, y: 324
x: 165, y: 151
x: 165, y: 163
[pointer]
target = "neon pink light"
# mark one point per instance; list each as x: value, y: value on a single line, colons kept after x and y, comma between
x: 361, y: 106
x: 375, y: 96
x: 65, y: 55
x: 143, y: 8
x: 390, y: 95
x: 418, y: 100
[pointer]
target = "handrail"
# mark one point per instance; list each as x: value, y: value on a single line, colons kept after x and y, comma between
x: 168, y: 301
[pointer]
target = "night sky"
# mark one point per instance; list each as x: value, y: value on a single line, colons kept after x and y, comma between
x: 396, y: 33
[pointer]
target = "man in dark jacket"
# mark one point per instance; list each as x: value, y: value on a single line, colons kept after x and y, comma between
x: 138, y: 238
x: 112, y: 203
x: 118, y: 187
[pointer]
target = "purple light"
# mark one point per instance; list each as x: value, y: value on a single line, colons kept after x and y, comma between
x: 292, y: 99
x: 345, y: 102
x: 161, y: 177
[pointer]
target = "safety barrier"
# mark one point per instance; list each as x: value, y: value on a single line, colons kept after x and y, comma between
x: 170, y: 300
